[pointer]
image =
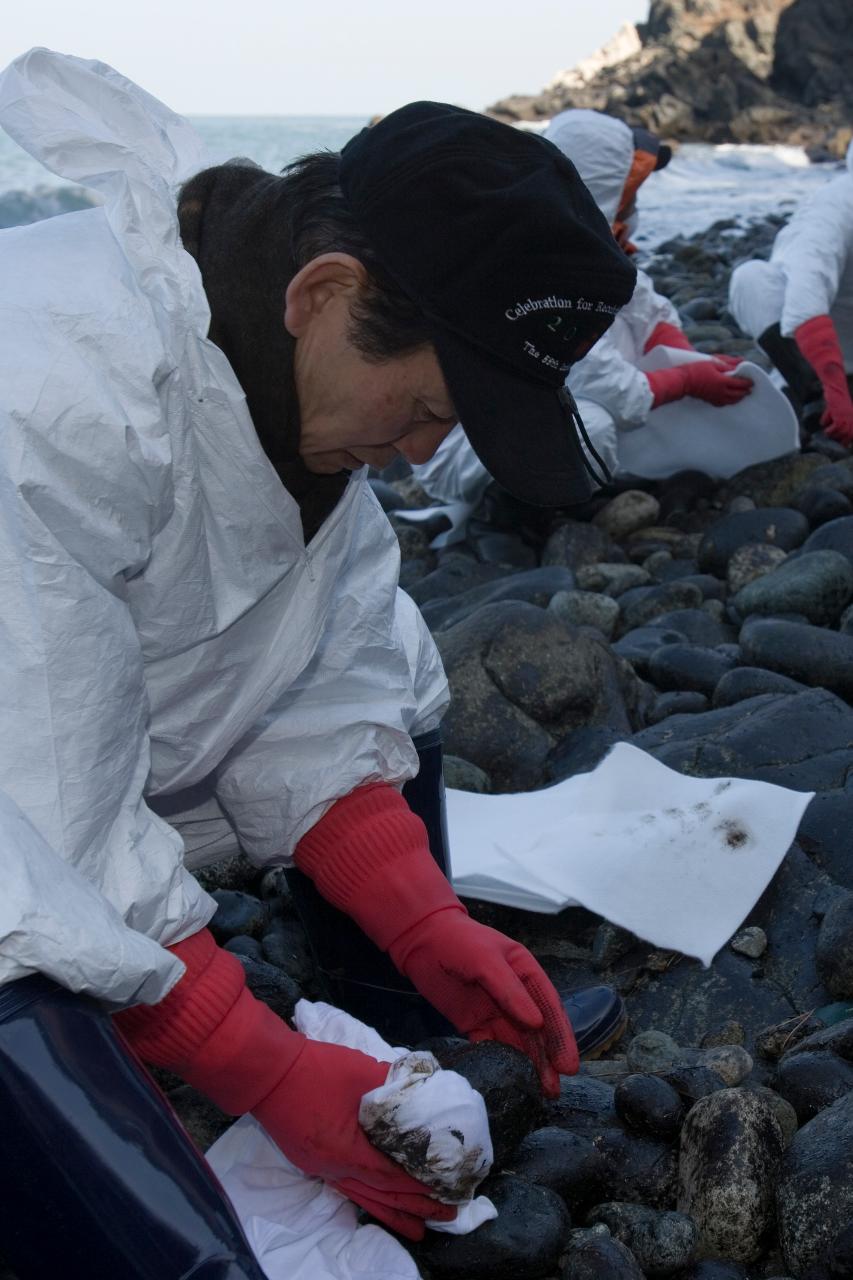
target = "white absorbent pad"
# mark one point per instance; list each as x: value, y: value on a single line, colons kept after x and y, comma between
x: 678, y: 861
x: 301, y: 1229
x: 691, y: 435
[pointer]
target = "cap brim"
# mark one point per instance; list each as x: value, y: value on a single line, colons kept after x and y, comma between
x: 517, y: 426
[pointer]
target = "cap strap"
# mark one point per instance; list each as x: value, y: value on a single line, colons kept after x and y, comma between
x: 603, y: 476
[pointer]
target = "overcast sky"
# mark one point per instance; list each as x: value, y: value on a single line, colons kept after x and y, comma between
x: 312, y: 57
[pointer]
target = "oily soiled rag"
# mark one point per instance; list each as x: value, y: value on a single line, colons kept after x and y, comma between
x: 428, y: 1121
x: 431, y: 1120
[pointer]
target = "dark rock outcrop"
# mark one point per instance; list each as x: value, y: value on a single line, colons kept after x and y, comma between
x: 719, y: 71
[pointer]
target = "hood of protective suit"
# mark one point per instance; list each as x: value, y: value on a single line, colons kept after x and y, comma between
x: 602, y: 150
x: 850, y: 159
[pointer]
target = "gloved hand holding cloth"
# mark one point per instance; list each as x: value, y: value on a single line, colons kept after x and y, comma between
x: 817, y: 339
x: 707, y: 380
x: 370, y: 858
x: 213, y: 1033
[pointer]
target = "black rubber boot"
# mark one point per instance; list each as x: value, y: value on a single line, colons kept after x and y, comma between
x: 356, y: 975
x: 98, y: 1179
x: 801, y: 379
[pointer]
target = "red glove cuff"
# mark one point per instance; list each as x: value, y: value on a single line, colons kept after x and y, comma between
x: 817, y: 339
x: 668, y: 335
x: 369, y: 856
x: 212, y: 1031
x: 667, y: 385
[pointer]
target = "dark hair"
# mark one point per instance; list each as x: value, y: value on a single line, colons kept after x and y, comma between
x: 386, y: 322
x: 250, y: 232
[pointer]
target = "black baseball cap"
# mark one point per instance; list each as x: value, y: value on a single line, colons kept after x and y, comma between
x: 492, y: 233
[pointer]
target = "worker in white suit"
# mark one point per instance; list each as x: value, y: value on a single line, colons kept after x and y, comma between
x: 200, y: 590
x: 799, y: 305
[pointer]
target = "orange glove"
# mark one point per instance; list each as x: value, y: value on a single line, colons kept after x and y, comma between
x: 817, y: 339
x: 370, y: 858
x: 702, y: 379
x: 213, y: 1033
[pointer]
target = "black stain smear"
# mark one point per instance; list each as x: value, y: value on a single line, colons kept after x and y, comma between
x: 734, y: 836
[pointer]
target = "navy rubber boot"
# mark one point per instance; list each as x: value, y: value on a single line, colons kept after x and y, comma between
x: 98, y: 1179
x: 356, y: 975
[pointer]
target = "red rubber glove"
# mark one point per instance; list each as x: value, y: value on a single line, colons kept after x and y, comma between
x: 818, y: 341
x: 213, y: 1033
x: 669, y: 335
x: 702, y: 379
x: 370, y: 858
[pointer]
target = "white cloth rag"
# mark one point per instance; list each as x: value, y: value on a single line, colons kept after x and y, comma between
x: 678, y: 861
x: 301, y: 1229
x: 692, y: 435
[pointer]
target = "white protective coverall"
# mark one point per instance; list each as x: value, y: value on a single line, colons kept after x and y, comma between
x: 810, y: 272
x: 161, y: 621
x: 612, y: 393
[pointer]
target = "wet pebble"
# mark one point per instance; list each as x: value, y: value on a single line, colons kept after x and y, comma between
x: 821, y: 505
x: 642, y: 605
x: 693, y: 667
x: 629, y: 511
x: 565, y: 1162
x: 286, y: 946
x: 773, y: 1041
x: 693, y: 1081
x: 510, y: 1089
x: 524, y: 1242
x: 750, y: 682
x: 780, y: 526
x: 599, y: 1257
x: 714, y: 1269
x: 750, y: 942
x: 237, y: 913
x: 586, y: 609
x: 814, y: 1196
x: 637, y: 1169
x: 751, y: 562
x: 731, y: 1146
x: 649, y: 1105
x: 662, y: 1241
x: 243, y: 945
x: 812, y: 1081
x: 834, y: 951
x: 811, y: 654
x: 611, y: 579
x: 584, y: 1104
x: 652, y: 1051
x: 817, y: 584
x: 676, y: 704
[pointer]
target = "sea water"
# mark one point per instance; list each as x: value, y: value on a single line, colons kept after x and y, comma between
x: 701, y: 184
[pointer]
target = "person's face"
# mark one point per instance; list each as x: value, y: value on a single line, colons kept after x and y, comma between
x: 354, y: 411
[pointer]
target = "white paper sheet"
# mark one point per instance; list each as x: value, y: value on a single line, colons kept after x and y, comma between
x: 678, y: 861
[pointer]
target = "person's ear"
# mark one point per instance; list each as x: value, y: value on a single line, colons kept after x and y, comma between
x: 324, y: 279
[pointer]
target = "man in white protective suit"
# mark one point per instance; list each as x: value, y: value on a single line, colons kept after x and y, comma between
x: 614, y: 395
x: 799, y: 305
x: 200, y: 596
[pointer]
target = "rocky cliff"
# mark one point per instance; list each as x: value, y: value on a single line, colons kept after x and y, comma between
x: 719, y: 71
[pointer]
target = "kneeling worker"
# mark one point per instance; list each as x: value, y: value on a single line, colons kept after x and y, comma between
x: 199, y: 589
x: 799, y: 305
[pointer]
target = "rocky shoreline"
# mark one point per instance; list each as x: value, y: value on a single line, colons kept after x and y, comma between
x: 758, y: 71
x: 710, y: 624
